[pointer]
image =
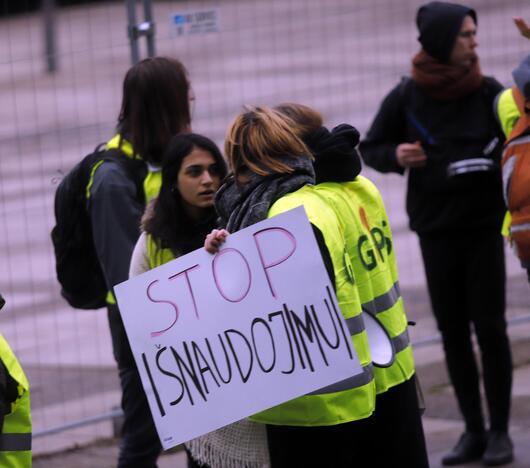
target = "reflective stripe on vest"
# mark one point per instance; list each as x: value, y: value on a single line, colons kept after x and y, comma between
x: 384, y: 301
x: 520, y: 228
x: 352, y: 398
x: 381, y: 304
x: 521, y: 139
x: 355, y: 325
x: 351, y: 382
x: 400, y: 342
x: 361, y: 211
x: 15, y: 442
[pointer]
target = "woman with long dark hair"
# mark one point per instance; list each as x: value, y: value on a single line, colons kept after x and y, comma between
x: 177, y: 221
x: 155, y: 106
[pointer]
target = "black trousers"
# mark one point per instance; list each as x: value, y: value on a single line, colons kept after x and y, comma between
x: 392, y: 436
x: 466, y: 279
x: 140, y: 445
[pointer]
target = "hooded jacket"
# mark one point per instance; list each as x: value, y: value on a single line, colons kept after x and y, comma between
x: 453, y: 133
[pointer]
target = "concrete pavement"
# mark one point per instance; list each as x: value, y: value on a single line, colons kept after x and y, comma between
x: 442, y: 423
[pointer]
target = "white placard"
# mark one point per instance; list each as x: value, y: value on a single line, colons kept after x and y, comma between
x: 220, y: 337
x: 195, y: 22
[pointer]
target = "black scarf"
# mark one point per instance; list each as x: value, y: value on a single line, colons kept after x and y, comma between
x: 193, y: 233
x: 240, y: 206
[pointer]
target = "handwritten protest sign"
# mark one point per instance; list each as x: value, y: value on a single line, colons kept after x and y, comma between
x: 220, y: 337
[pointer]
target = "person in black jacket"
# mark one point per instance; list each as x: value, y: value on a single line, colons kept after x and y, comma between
x: 439, y: 128
x: 155, y: 107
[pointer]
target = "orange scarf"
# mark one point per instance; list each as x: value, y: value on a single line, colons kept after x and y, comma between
x: 443, y: 81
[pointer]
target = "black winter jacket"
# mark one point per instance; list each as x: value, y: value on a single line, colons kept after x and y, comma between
x: 449, y: 131
x: 115, y: 213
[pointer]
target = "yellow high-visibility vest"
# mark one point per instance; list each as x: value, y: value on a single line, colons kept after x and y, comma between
x: 508, y: 114
x: 15, y: 437
x: 157, y: 255
x: 353, y: 398
x: 361, y: 212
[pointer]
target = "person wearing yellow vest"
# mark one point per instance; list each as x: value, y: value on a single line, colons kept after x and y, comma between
x: 155, y: 107
x: 15, y: 417
x: 508, y: 105
x: 505, y: 107
x: 331, y: 426
x: 369, y: 246
x: 176, y: 223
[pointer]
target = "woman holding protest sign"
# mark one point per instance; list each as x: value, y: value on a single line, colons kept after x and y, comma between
x: 272, y: 173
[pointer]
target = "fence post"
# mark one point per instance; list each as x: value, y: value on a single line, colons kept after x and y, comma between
x: 136, y: 30
x: 48, y: 15
x: 150, y: 36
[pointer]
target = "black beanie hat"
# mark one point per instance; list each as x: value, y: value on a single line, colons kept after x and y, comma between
x: 336, y: 155
x: 439, y: 24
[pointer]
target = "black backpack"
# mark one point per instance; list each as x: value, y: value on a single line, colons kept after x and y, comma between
x: 76, y: 262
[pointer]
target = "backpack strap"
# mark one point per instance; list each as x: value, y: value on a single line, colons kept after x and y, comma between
x: 134, y: 168
x: 404, y: 87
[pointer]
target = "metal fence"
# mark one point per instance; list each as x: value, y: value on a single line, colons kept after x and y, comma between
x: 60, y: 82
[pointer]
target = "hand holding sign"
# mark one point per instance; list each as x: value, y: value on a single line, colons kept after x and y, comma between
x: 215, y: 239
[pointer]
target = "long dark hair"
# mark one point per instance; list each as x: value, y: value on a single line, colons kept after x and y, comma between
x: 155, y: 105
x: 165, y: 219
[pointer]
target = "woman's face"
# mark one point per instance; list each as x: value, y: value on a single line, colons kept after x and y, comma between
x: 197, y: 181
